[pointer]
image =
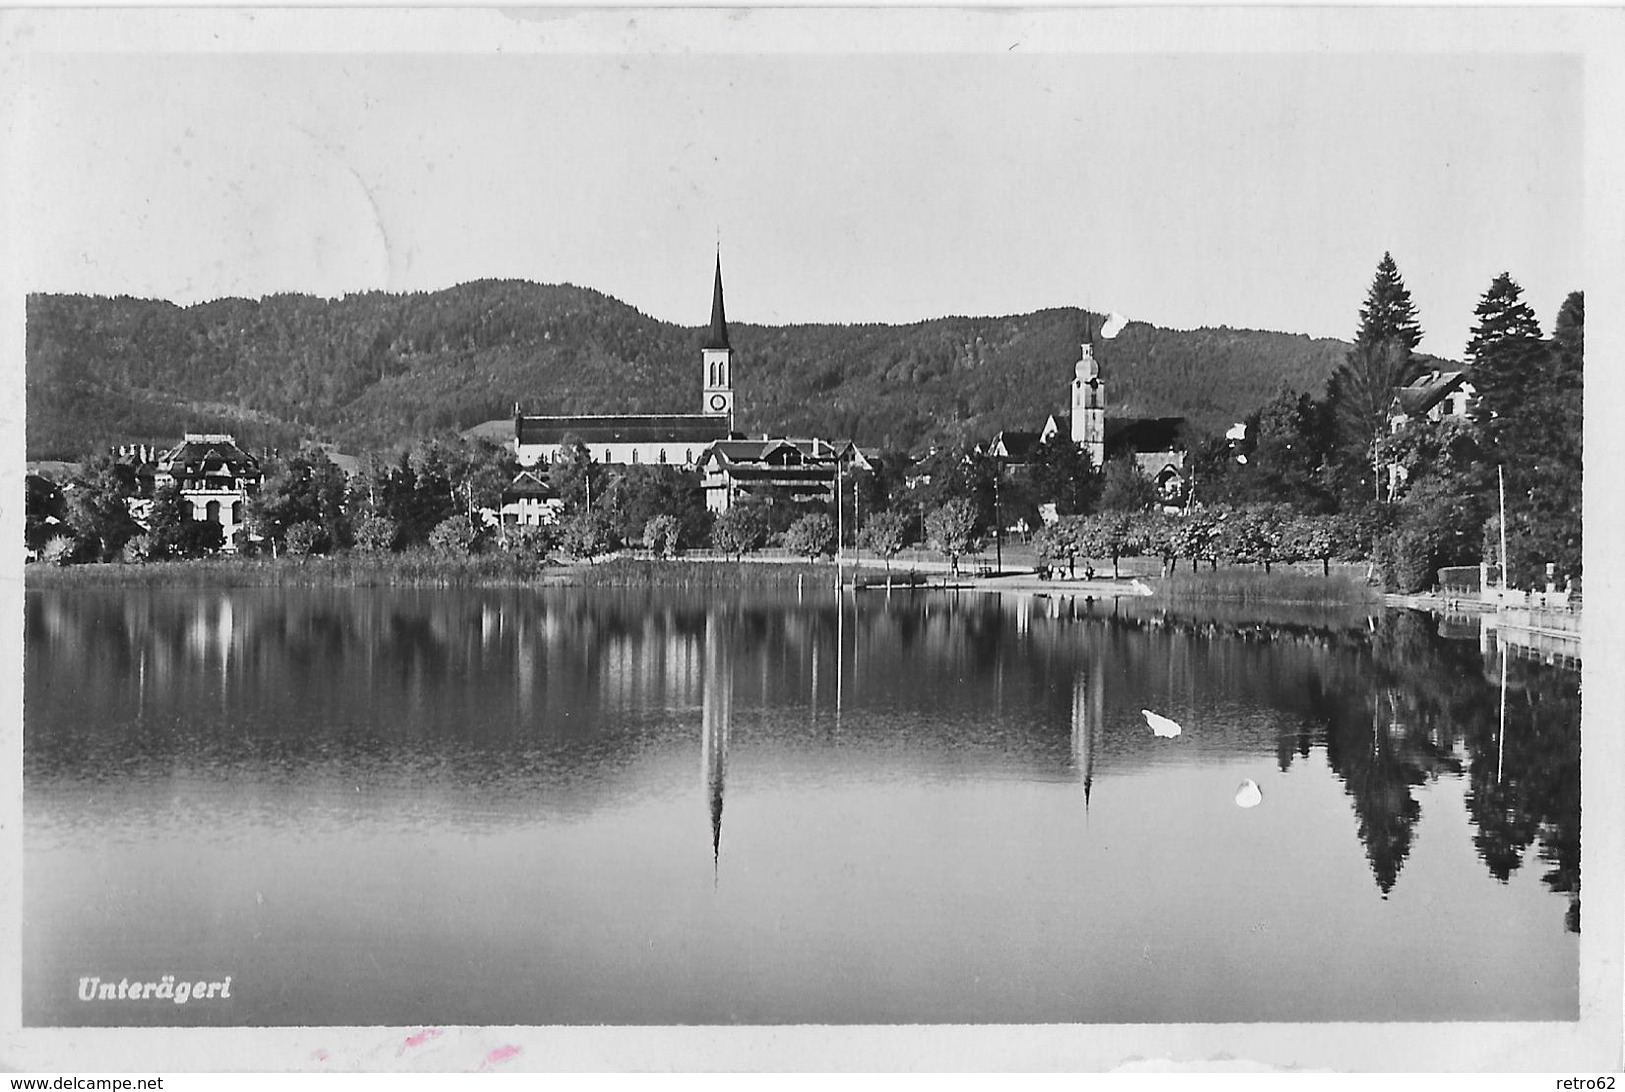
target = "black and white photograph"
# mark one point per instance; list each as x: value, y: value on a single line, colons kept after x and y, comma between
x: 732, y: 538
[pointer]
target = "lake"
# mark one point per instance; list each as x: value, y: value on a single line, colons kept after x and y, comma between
x: 566, y: 806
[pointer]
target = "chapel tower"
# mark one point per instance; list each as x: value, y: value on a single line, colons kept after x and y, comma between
x: 718, y: 394
x: 1089, y: 407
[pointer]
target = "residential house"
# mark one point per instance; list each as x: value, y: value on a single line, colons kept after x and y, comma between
x: 530, y: 500
x: 215, y: 477
x: 1432, y: 397
x: 1436, y: 396
x: 799, y: 469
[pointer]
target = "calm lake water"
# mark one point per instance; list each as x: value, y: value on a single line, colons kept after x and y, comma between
x: 523, y: 807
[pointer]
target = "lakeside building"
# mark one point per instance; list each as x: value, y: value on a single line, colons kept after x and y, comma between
x: 676, y: 439
x: 530, y: 501
x: 1432, y: 397
x: 215, y: 477
x: 800, y: 470
x: 1435, y: 396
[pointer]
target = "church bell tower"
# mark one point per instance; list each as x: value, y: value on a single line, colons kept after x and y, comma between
x: 1089, y: 407
x: 718, y: 392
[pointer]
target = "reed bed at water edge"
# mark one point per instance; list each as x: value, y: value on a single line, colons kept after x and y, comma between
x: 1257, y: 586
x: 679, y: 573
x: 422, y: 568
x: 410, y: 569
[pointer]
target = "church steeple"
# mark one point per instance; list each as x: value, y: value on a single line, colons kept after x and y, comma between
x: 1089, y: 401
x: 718, y: 338
x: 717, y: 396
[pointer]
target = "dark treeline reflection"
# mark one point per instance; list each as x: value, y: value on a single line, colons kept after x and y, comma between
x: 561, y: 688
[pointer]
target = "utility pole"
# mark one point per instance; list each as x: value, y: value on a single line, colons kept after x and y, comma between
x: 857, y: 527
x: 1501, y: 486
x: 840, y: 525
x: 998, y: 522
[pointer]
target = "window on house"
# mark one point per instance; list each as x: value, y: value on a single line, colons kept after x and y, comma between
x: 236, y: 511
x: 212, y: 512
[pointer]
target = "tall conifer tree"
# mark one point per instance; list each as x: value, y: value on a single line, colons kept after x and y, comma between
x: 1502, y: 316
x: 1529, y: 404
x: 1569, y: 338
x: 1362, y: 388
x: 1388, y: 315
x: 1505, y: 351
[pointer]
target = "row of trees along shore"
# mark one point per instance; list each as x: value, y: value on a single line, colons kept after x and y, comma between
x: 1426, y: 493
x: 1312, y: 481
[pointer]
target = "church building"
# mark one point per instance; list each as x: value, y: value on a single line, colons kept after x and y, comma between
x: 1152, y: 442
x: 676, y: 439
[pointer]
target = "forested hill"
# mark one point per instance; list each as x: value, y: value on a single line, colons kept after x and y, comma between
x: 376, y: 368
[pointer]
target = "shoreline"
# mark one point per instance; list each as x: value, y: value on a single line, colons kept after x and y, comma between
x: 633, y: 570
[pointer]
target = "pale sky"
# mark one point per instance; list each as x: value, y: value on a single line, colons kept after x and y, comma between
x: 1253, y: 189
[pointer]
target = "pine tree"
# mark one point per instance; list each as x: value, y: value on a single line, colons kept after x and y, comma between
x: 1506, y: 353
x: 1362, y: 389
x: 1361, y: 392
x: 1388, y: 314
x: 1543, y: 438
x: 1529, y: 404
x: 1502, y: 317
x: 1569, y: 338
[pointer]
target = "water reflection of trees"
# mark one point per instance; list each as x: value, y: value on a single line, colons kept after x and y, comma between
x: 517, y: 681
x: 1524, y: 788
x: 1396, y: 707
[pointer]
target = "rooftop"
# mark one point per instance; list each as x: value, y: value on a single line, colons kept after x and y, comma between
x: 671, y: 428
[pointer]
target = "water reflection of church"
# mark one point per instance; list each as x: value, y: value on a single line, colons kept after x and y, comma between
x: 716, y: 721
x: 1088, y: 717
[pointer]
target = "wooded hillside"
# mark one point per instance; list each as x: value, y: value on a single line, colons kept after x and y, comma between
x: 374, y: 368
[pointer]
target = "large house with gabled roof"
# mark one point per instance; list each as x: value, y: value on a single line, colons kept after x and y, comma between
x: 1432, y: 396
x: 530, y: 500
x: 801, y: 470
x: 215, y: 477
x: 1435, y: 396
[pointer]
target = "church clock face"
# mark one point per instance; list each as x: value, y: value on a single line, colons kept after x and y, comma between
x: 719, y: 403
